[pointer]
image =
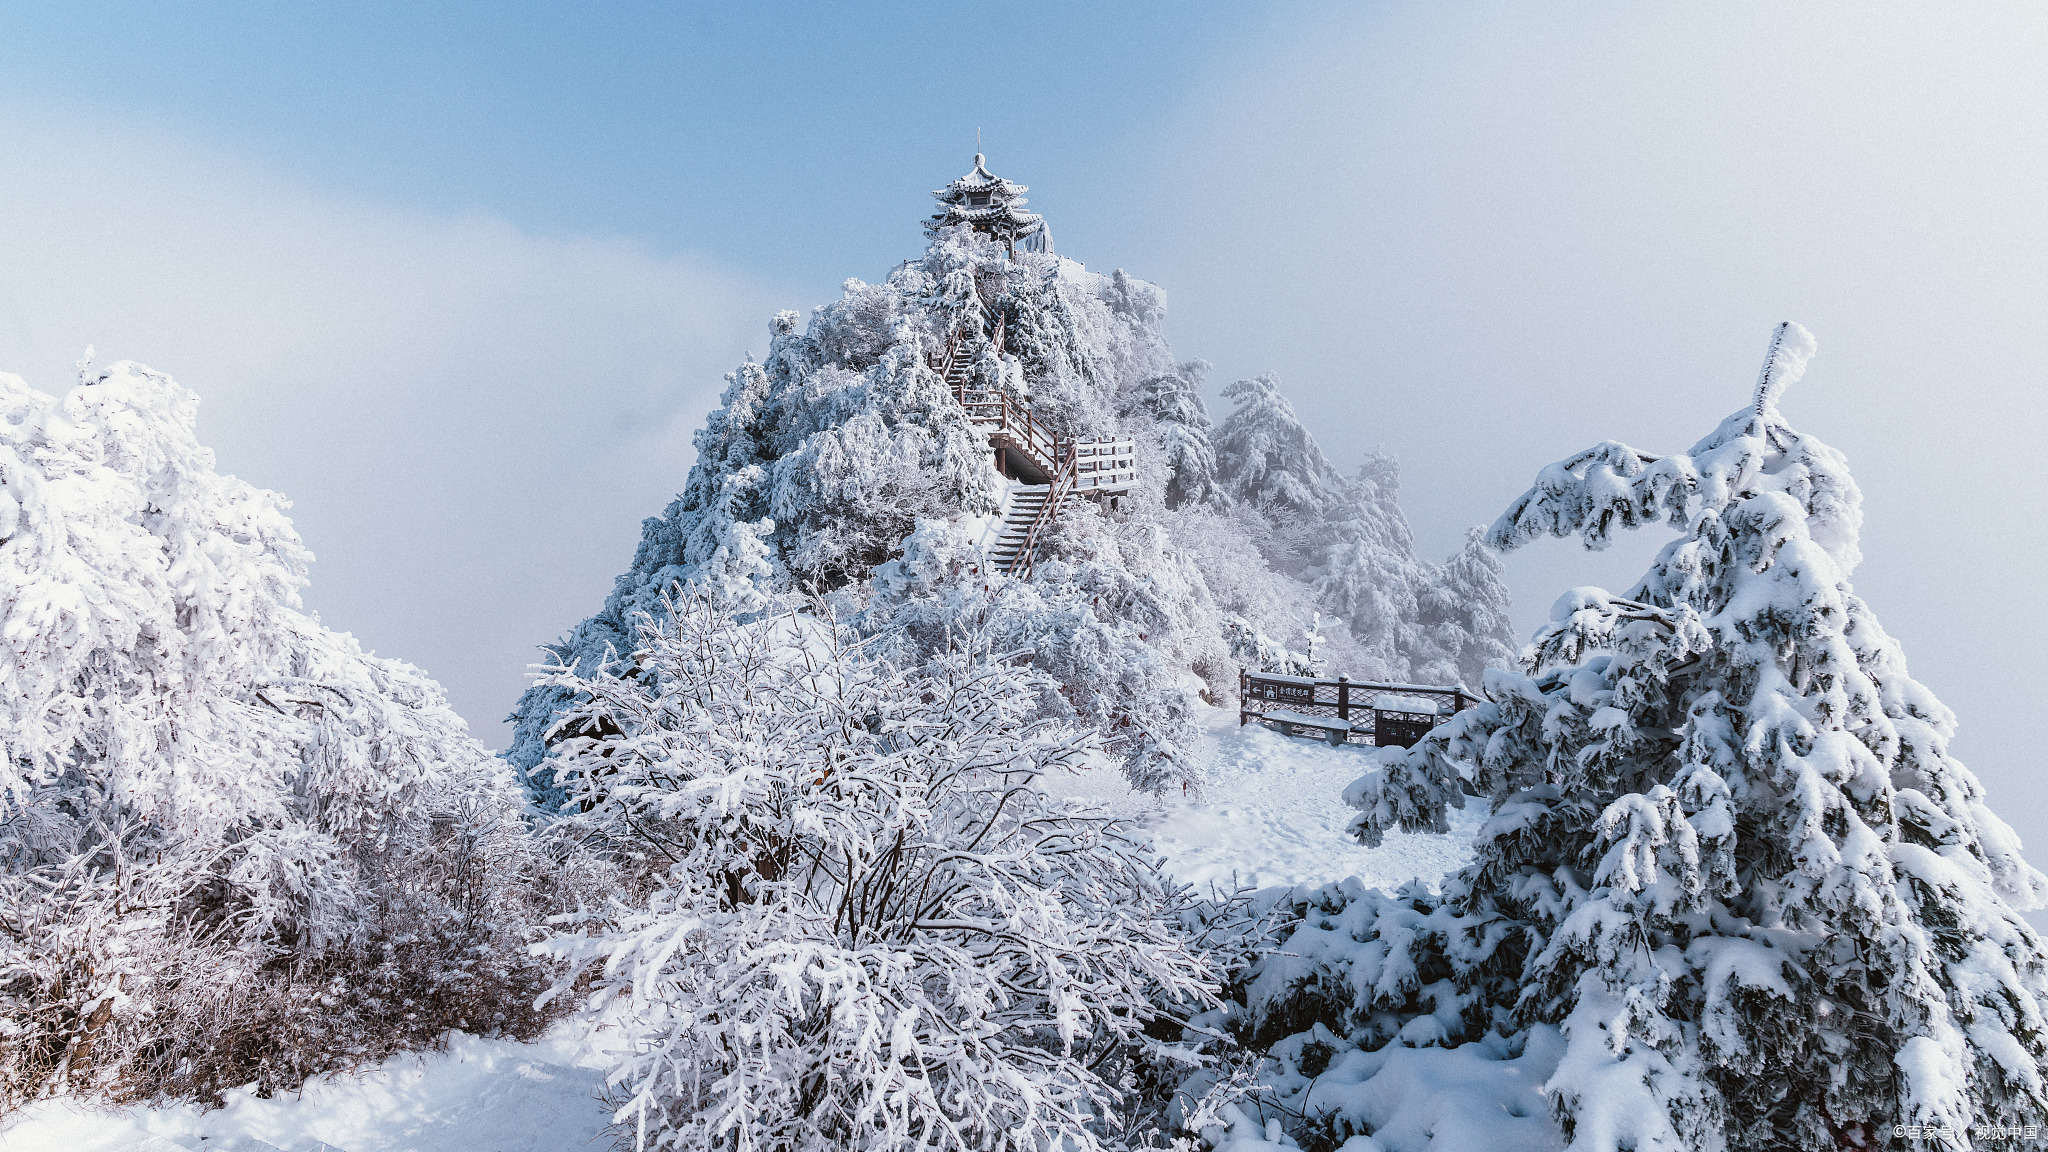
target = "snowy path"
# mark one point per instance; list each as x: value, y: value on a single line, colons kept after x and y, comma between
x: 1273, y: 815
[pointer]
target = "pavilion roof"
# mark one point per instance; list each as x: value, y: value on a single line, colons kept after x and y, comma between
x: 980, y: 180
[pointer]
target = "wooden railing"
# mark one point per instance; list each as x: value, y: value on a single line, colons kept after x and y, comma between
x: 1089, y: 466
x: 1002, y: 417
x: 1344, y: 709
x: 1104, y: 465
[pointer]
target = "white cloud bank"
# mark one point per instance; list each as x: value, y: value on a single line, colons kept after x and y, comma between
x: 470, y: 420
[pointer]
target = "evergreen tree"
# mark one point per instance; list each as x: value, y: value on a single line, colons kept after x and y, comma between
x: 1730, y: 856
x: 1349, y: 540
x: 1368, y: 575
x: 1179, y: 435
x: 1464, y: 611
x: 1269, y: 460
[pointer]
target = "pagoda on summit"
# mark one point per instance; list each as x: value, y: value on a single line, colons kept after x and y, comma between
x: 991, y: 205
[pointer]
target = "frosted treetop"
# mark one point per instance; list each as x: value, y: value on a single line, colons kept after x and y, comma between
x: 1753, y: 453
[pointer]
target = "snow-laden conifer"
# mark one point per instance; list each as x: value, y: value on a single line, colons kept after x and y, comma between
x: 1464, y: 613
x: 1404, y: 619
x: 1269, y: 458
x: 863, y: 925
x: 1179, y: 436
x: 212, y: 808
x: 1730, y: 855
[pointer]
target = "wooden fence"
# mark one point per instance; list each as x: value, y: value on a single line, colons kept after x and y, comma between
x: 1015, y: 431
x: 1104, y: 465
x: 1341, y: 710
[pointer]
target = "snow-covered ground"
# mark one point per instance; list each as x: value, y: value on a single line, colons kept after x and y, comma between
x: 1272, y: 815
x: 476, y: 1096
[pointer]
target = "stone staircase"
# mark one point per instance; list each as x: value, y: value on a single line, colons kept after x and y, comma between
x: 1022, y: 510
x: 1027, y: 510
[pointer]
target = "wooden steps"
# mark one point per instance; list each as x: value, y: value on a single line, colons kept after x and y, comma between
x: 1021, y: 510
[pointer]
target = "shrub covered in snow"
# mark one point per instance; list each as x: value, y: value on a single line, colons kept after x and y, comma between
x: 1125, y: 654
x: 859, y: 923
x: 233, y: 846
x: 1730, y: 859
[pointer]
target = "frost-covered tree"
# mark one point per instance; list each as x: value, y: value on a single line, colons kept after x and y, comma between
x: 1404, y: 619
x: 1414, y: 620
x: 1269, y: 460
x: 1179, y: 435
x: 1730, y: 857
x: 863, y: 925
x: 233, y: 845
x: 1464, y: 610
x: 1119, y: 624
x: 1368, y: 576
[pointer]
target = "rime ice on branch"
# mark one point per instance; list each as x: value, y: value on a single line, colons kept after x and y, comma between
x: 868, y: 928
x: 205, y: 795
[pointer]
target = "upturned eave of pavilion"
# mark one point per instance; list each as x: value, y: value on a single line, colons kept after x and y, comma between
x: 993, y: 212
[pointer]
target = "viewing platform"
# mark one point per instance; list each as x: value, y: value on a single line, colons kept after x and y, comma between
x: 1346, y: 710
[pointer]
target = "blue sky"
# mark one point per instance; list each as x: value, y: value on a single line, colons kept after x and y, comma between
x: 461, y: 280
x: 776, y: 135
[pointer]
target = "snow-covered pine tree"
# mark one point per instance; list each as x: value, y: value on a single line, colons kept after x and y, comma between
x: 1367, y: 576
x: 1464, y: 612
x: 1269, y: 460
x: 1349, y: 539
x: 234, y: 847
x: 1179, y: 436
x: 863, y: 925
x: 1730, y: 856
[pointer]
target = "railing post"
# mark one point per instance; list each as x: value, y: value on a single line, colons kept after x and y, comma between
x: 1243, y: 687
x: 1344, y: 698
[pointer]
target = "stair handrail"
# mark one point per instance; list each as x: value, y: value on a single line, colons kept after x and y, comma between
x: 945, y: 368
x: 1012, y: 418
x: 1021, y: 563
